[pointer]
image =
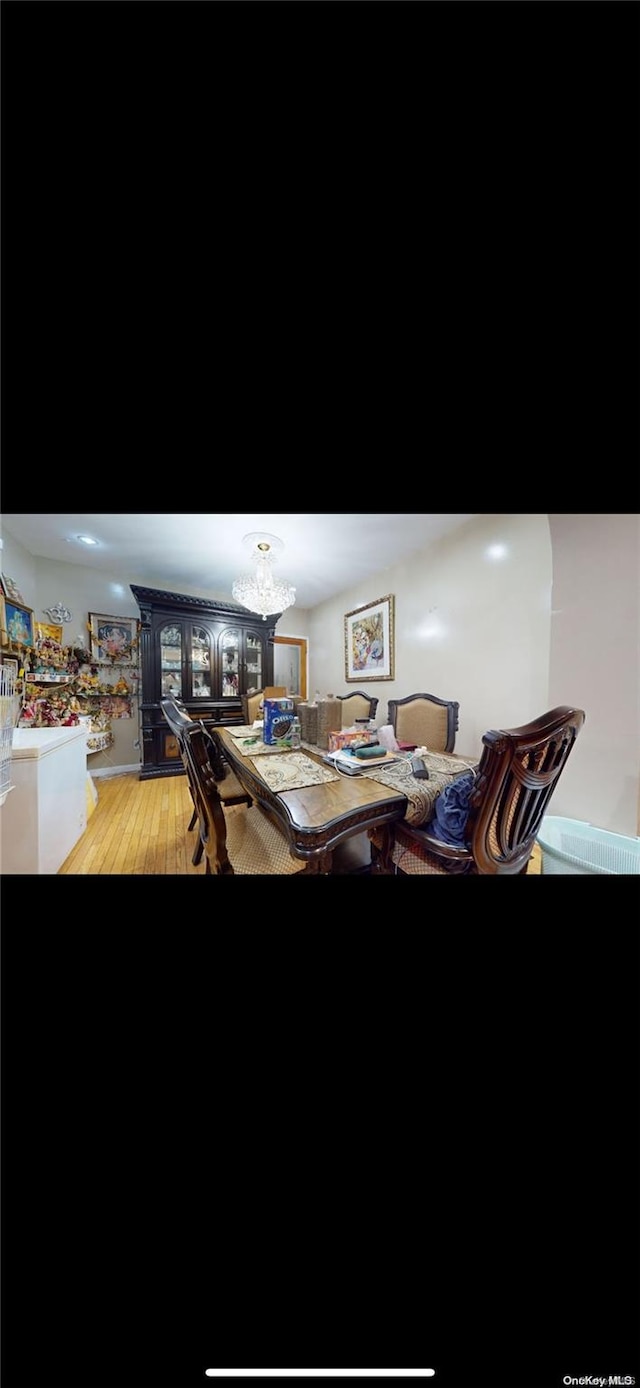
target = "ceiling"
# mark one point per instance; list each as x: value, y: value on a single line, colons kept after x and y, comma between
x: 323, y: 553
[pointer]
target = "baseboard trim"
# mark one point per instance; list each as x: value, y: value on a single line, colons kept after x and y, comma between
x: 133, y: 767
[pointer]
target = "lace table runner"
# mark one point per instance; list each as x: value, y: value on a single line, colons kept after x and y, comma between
x: 292, y: 770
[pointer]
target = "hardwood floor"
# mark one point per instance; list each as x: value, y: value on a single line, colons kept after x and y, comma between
x: 139, y: 828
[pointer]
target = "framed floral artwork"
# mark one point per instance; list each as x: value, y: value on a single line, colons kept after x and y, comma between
x: 113, y: 639
x: 368, y: 642
x: 16, y: 624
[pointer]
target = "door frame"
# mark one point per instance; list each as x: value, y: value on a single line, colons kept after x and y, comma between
x: 300, y: 641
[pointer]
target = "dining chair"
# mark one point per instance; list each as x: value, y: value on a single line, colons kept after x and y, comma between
x: 229, y: 788
x: 252, y: 703
x: 497, y: 813
x: 424, y: 720
x: 239, y: 840
x: 356, y: 705
x: 251, y: 706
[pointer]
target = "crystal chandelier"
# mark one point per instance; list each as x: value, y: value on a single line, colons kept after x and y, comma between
x: 261, y: 592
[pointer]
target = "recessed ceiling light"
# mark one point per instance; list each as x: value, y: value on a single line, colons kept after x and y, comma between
x: 86, y: 540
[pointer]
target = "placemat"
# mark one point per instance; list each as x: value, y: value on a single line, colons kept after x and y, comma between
x: 292, y: 770
x: 255, y: 749
x: 244, y: 731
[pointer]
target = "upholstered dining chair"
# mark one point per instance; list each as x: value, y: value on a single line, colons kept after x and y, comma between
x: 237, y: 840
x: 252, y: 703
x: 507, y: 797
x: 356, y: 705
x: 229, y: 788
x: 251, y: 706
x: 424, y: 720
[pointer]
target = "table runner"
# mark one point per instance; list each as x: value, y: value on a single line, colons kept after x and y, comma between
x: 292, y: 771
x: 421, y: 795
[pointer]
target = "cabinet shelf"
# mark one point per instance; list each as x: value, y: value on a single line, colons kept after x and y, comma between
x: 48, y: 679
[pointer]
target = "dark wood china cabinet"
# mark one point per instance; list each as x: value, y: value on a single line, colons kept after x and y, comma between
x: 208, y: 654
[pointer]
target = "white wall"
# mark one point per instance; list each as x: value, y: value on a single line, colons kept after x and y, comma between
x: 467, y: 627
x: 595, y: 645
x: 555, y: 622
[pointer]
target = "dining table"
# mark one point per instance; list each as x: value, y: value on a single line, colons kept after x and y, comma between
x: 317, y: 806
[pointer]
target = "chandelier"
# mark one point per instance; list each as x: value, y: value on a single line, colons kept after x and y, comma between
x: 261, y: 592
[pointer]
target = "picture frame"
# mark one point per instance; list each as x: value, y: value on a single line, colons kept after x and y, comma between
x: 369, y: 641
x: 11, y: 590
x: 48, y: 631
x: 113, y: 639
x: 10, y: 663
x: 16, y: 624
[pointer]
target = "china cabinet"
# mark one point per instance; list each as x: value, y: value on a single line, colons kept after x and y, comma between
x: 208, y: 654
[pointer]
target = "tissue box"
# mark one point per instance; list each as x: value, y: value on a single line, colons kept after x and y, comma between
x: 339, y: 740
x: 278, y: 717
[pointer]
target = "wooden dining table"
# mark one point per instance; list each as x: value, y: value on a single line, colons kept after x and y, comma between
x: 314, y: 817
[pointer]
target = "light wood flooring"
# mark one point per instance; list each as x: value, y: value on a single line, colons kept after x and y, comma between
x: 139, y: 828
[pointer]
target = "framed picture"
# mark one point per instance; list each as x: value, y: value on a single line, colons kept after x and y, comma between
x: 48, y: 631
x: 11, y: 589
x: 17, y: 624
x: 368, y: 642
x: 113, y: 639
x: 10, y: 664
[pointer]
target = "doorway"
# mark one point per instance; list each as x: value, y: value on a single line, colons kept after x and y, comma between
x: 290, y: 664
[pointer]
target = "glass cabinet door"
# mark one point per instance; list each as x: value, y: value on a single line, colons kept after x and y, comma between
x: 254, y: 663
x: 200, y: 664
x: 171, y: 661
x: 230, y: 648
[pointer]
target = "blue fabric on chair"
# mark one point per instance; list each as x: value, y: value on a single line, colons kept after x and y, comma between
x: 449, y: 823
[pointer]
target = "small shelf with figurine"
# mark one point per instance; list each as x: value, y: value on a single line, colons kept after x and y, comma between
x: 99, y: 742
x: 49, y: 679
x: 63, y: 684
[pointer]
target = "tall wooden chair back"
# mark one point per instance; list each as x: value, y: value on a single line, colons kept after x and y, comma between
x: 252, y: 703
x: 251, y: 706
x: 230, y: 790
x: 425, y: 720
x: 517, y: 774
x: 238, y: 841
x: 356, y: 705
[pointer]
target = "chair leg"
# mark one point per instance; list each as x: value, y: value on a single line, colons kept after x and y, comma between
x: 192, y: 822
x: 197, y: 852
x: 381, y: 860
